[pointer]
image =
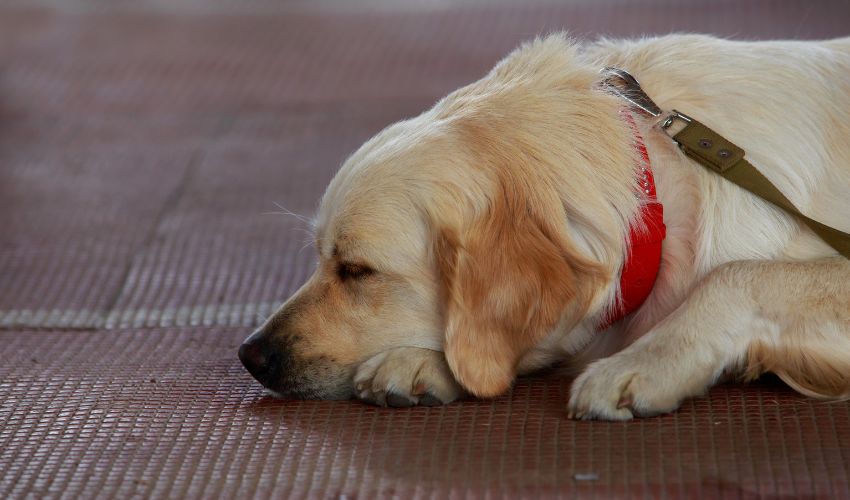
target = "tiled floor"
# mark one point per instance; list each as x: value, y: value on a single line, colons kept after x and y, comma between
x: 143, y: 147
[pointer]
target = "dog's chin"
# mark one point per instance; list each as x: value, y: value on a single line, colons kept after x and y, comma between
x: 323, y: 393
x: 312, y: 381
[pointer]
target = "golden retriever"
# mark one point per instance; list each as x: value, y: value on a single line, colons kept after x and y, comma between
x: 484, y: 238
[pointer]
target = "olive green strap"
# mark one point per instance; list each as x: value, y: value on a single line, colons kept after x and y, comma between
x: 714, y: 152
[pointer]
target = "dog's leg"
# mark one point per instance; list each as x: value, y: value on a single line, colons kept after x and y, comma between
x: 406, y: 376
x: 745, y: 317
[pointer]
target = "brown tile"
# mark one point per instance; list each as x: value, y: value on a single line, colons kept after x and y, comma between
x: 170, y: 413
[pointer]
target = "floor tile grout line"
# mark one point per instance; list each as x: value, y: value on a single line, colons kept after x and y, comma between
x: 182, y: 316
x: 172, y: 202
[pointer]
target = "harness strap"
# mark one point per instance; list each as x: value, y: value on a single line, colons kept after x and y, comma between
x: 713, y: 151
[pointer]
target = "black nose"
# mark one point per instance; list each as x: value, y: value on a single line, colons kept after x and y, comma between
x: 260, y: 358
x: 253, y: 355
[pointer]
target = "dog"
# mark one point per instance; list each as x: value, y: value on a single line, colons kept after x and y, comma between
x: 485, y: 238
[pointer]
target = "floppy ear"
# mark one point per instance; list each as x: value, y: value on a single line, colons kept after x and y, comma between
x: 507, y: 281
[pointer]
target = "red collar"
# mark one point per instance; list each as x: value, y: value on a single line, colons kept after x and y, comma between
x: 644, y: 245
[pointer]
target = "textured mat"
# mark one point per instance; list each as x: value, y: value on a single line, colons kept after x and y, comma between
x: 144, y: 150
x: 169, y: 413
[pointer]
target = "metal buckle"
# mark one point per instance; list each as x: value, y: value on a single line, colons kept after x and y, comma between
x: 671, y: 119
x: 619, y: 82
x: 673, y: 116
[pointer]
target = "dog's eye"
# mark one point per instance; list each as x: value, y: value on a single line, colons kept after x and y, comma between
x: 348, y: 271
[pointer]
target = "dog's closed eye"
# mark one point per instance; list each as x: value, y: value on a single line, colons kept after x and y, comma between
x: 350, y: 271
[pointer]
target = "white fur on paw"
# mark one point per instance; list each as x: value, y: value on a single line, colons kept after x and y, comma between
x: 618, y: 388
x: 406, y: 376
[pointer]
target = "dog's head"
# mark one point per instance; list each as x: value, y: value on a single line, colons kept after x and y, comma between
x: 476, y: 228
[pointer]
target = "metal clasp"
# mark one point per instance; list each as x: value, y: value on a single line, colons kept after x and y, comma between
x: 672, y: 117
x: 666, y: 124
x: 623, y: 84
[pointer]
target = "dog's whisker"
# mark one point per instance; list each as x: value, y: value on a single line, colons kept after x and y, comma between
x: 307, y: 244
x: 308, y: 241
x: 300, y: 218
x: 284, y: 211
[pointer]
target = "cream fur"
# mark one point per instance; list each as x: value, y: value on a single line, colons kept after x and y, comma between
x: 535, y: 148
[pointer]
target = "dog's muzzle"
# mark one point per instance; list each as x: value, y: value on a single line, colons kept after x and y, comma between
x: 272, y: 357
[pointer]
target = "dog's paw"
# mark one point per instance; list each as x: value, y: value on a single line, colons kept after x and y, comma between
x: 406, y: 376
x: 620, y: 388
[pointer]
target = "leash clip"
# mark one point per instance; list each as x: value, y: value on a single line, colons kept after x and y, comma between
x: 671, y: 119
x: 621, y: 83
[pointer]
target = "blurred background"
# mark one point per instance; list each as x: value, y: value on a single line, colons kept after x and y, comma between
x: 148, y: 150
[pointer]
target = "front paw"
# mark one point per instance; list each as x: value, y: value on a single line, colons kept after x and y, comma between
x: 622, y: 387
x: 406, y: 376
